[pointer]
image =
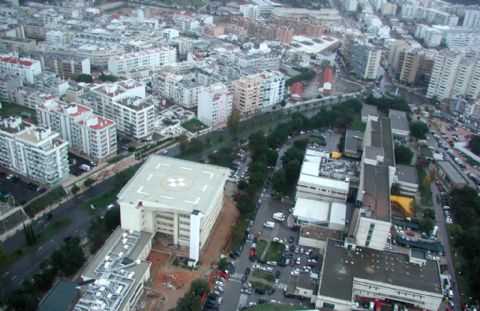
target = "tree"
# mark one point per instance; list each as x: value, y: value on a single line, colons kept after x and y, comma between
x: 233, y: 122
x: 75, y: 189
x: 29, y: 234
x: 3, y: 255
x: 418, y: 130
x: 104, y: 77
x: 279, y: 182
x: 112, y: 219
x: 403, y: 155
x: 84, y: 78
x: 183, y: 142
x: 474, y: 144
x: 292, y: 171
x: 426, y: 182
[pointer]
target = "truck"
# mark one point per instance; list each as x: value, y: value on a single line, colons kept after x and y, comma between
x: 434, y: 231
x: 85, y: 167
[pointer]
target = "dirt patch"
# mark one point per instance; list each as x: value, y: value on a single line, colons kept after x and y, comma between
x: 172, y: 282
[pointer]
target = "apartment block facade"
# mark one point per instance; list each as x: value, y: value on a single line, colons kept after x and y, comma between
x: 88, y: 134
x: 248, y: 94
x: 215, y: 105
x: 35, y: 152
x: 365, y: 62
x: 25, y: 68
x: 126, y: 104
x: 121, y: 65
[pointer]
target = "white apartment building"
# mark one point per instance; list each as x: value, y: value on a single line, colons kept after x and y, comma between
x: 59, y: 38
x: 471, y: 19
x: 350, y: 5
x: 186, y: 23
x: 249, y: 11
x: 273, y: 88
x: 179, y: 199
x: 431, y: 36
x: 35, y: 152
x: 25, y: 68
x: 88, y: 134
x: 143, y: 60
x: 215, y: 105
x: 461, y: 40
x: 125, y: 103
x: 455, y: 74
x: 182, y: 90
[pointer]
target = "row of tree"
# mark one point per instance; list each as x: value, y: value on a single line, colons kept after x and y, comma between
x: 285, y: 179
x: 305, y: 75
x: 192, y: 300
x: 86, y: 78
x: 474, y: 144
x: 465, y: 205
x: 62, y: 263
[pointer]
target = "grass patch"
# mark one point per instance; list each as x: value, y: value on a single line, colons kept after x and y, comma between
x: 194, y: 125
x: 39, y: 204
x: 52, y: 230
x: 275, y: 307
x: 274, y: 252
x: 264, y: 275
x: 260, y: 287
x: 238, y: 235
x: 315, y: 139
x: 261, y: 244
x: 101, y: 201
x: 357, y: 124
x: 10, y: 109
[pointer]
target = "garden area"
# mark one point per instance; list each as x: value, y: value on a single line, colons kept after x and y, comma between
x: 261, y: 244
x: 268, y: 276
x: 274, y: 252
x: 194, y: 125
x: 49, y: 198
x: 424, y: 182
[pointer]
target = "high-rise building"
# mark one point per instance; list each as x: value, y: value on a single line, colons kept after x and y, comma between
x: 365, y: 62
x: 215, y: 105
x: 248, y: 94
x: 62, y: 63
x: 88, y: 134
x: 125, y: 103
x: 273, y: 88
x: 250, y: 11
x: 35, y: 152
x: 25, y: 68
x: 455, y: 74
x: 471, y: 19
x: 144, y: 60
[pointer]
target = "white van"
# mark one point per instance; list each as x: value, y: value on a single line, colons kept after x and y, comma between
x: 279, y: 216
x: 269, y: 224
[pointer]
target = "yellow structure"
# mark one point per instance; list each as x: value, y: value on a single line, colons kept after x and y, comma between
x: 405, y: 204
x: 335, y: 154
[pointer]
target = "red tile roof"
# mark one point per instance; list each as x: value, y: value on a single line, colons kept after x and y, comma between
x: 296, y: 88
x: 14, y: 60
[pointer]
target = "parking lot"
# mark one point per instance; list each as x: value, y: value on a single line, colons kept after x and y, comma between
x: 18, y: 189
x: 237, y: 294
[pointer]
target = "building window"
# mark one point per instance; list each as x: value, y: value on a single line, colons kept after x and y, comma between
x: 330, y: 306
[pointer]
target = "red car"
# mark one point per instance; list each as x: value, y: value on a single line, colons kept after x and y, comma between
x: 223, y: 275
x: 252, y: 252
x: 410, y: 234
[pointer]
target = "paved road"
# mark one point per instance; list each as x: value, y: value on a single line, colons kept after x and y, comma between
x: 28, y: 265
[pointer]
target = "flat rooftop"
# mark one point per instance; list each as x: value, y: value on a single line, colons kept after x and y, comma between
x: 377, y: 191
x: 116, y: 268
x: 406, y: 173
x: 320, y: 233
x: 167, y: 183
x: 453, y: 174
x: 381, y: 135
x: 353, y: 140
x: 323, y: 181
x: 312, y: 210
x: 341, y: 266
x: 398, y: 120
x: 369, y: 110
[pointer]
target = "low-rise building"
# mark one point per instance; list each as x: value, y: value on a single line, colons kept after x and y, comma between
x: 399, y: 123
x: 88, y: 134
x: 117, y: 273
x: 367, y: 111
x: 35, y: 152
x: 406, y: 177
x: 450, y: 174
x: 355, y: 275
x: 353, y: 143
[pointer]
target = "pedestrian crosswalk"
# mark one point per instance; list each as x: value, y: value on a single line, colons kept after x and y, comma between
x: 281, y: 286
x: 237, y: 275
x: 242, y: 301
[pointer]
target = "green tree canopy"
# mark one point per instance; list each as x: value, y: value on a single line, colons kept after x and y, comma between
x: 418, y: 130
x: 474, y: 144
x: 84, y: 78
x: 403, y: 155
x: 233, y: 122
